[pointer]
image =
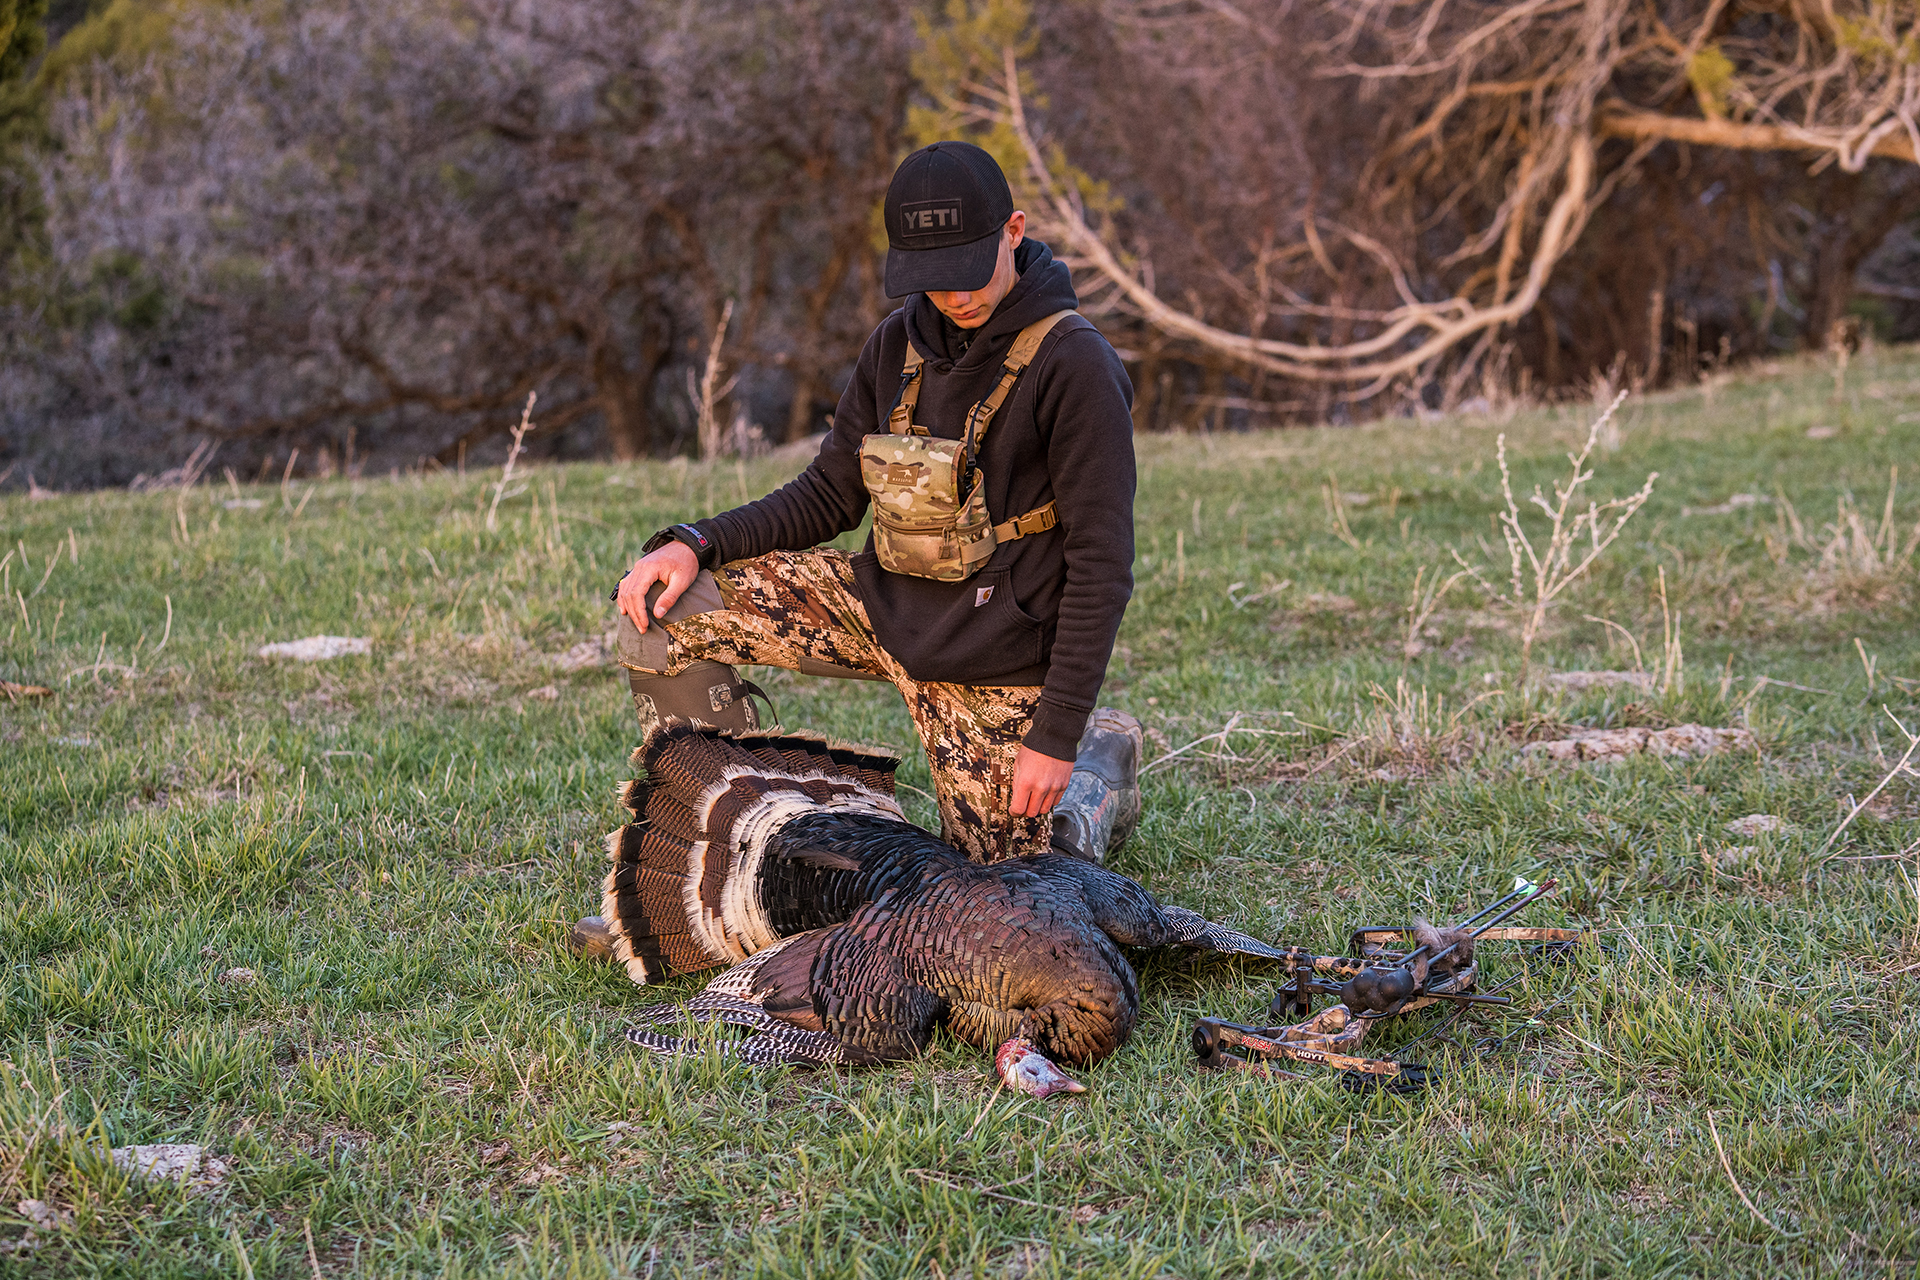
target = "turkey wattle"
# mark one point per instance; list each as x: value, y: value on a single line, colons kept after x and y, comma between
x: 851, y: 932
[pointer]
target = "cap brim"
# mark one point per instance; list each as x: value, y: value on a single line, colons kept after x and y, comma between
x: 957, y: 267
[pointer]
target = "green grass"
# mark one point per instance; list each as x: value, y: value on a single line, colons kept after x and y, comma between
x: 395, y: 845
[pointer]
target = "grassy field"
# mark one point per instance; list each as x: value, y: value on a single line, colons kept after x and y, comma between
x: 418, y: 1080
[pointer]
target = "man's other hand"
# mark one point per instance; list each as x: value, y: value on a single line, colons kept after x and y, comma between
x: 674, y: 565
x: 1038, y: 782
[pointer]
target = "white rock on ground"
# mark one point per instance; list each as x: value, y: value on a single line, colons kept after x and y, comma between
x: 185, y: 1161
x: 1756, y: 824
x: 1581, y: 681
x: 1683, y: 741
x: 318, y: 648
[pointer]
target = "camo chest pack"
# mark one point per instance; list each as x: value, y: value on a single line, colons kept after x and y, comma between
x: 930, y: 514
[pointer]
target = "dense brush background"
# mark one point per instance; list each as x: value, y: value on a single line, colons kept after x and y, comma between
x: 366, y: 229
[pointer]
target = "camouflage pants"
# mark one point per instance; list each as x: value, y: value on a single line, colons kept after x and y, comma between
x: 801, y: 610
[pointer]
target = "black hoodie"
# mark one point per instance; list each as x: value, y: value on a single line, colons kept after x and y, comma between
x: 1065, y: 435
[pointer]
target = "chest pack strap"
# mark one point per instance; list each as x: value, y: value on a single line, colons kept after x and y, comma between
x: 900, y: 422
x: 1025, y: 344
x: 1038, y: 520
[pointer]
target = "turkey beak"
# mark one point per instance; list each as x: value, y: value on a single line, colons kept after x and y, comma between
x: 1049, y: 1079
x: 1025, y: 1070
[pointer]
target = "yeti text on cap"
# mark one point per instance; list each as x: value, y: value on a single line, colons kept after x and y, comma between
x: 930, y: 217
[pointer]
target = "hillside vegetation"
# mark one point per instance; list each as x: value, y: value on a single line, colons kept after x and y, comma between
x: 414, y: 1078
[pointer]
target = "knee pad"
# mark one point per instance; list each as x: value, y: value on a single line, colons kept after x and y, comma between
x: 709, y: 694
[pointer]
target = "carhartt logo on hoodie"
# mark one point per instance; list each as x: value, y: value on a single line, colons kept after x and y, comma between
x: 981, y: 595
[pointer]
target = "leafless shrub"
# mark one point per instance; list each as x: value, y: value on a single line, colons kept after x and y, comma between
x: 1540, y: 573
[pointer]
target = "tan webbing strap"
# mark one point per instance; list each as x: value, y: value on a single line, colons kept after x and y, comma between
x: 900, y: 422
x: 1019, y: 356
x: 1038, y: 520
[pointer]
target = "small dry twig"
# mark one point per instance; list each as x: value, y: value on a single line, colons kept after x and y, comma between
x: 709, y: 391
x: 506, y: 473
x: 1220, y: 735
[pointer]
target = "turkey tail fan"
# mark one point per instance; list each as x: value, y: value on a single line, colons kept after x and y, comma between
x: 643, y: 902
x: 633, y: 796
x: 684, y: 891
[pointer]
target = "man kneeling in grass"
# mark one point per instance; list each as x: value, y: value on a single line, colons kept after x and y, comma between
x: 990, y: 427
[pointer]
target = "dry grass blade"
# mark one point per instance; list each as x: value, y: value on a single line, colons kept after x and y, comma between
x: 986, y: 1107
x: 979, y: 1190
x: 1633, y: 641
x: 1673, y: 661
x: 1337, y: 511
x: 1421, y: 605
x: 1853, y: 545
x: 707, y: 391
x: 1728, y: 1166
x: 1913, y: 745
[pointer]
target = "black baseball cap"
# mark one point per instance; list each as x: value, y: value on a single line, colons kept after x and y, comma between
x: 945, y: 208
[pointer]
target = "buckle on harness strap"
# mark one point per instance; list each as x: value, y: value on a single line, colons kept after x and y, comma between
x: 1038, y: 520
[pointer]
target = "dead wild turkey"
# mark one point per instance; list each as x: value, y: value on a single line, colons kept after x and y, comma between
x: 851, y: 932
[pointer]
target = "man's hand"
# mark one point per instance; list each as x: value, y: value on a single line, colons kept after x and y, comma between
x: 674, y: 564
x: 1038, y: 782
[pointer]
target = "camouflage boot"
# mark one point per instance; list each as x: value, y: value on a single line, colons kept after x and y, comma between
x: 1102, y: 803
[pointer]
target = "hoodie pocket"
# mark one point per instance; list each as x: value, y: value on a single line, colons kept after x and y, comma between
x: 1012, y: 635
x: 961, y: 632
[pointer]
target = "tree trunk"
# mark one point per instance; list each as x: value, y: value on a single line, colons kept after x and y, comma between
x: 626, y: 397
x: 800, y: 419
x: 809, y: 378
x: 1853, y: 221
x: 1830, y: 267
x: 623, y: 405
